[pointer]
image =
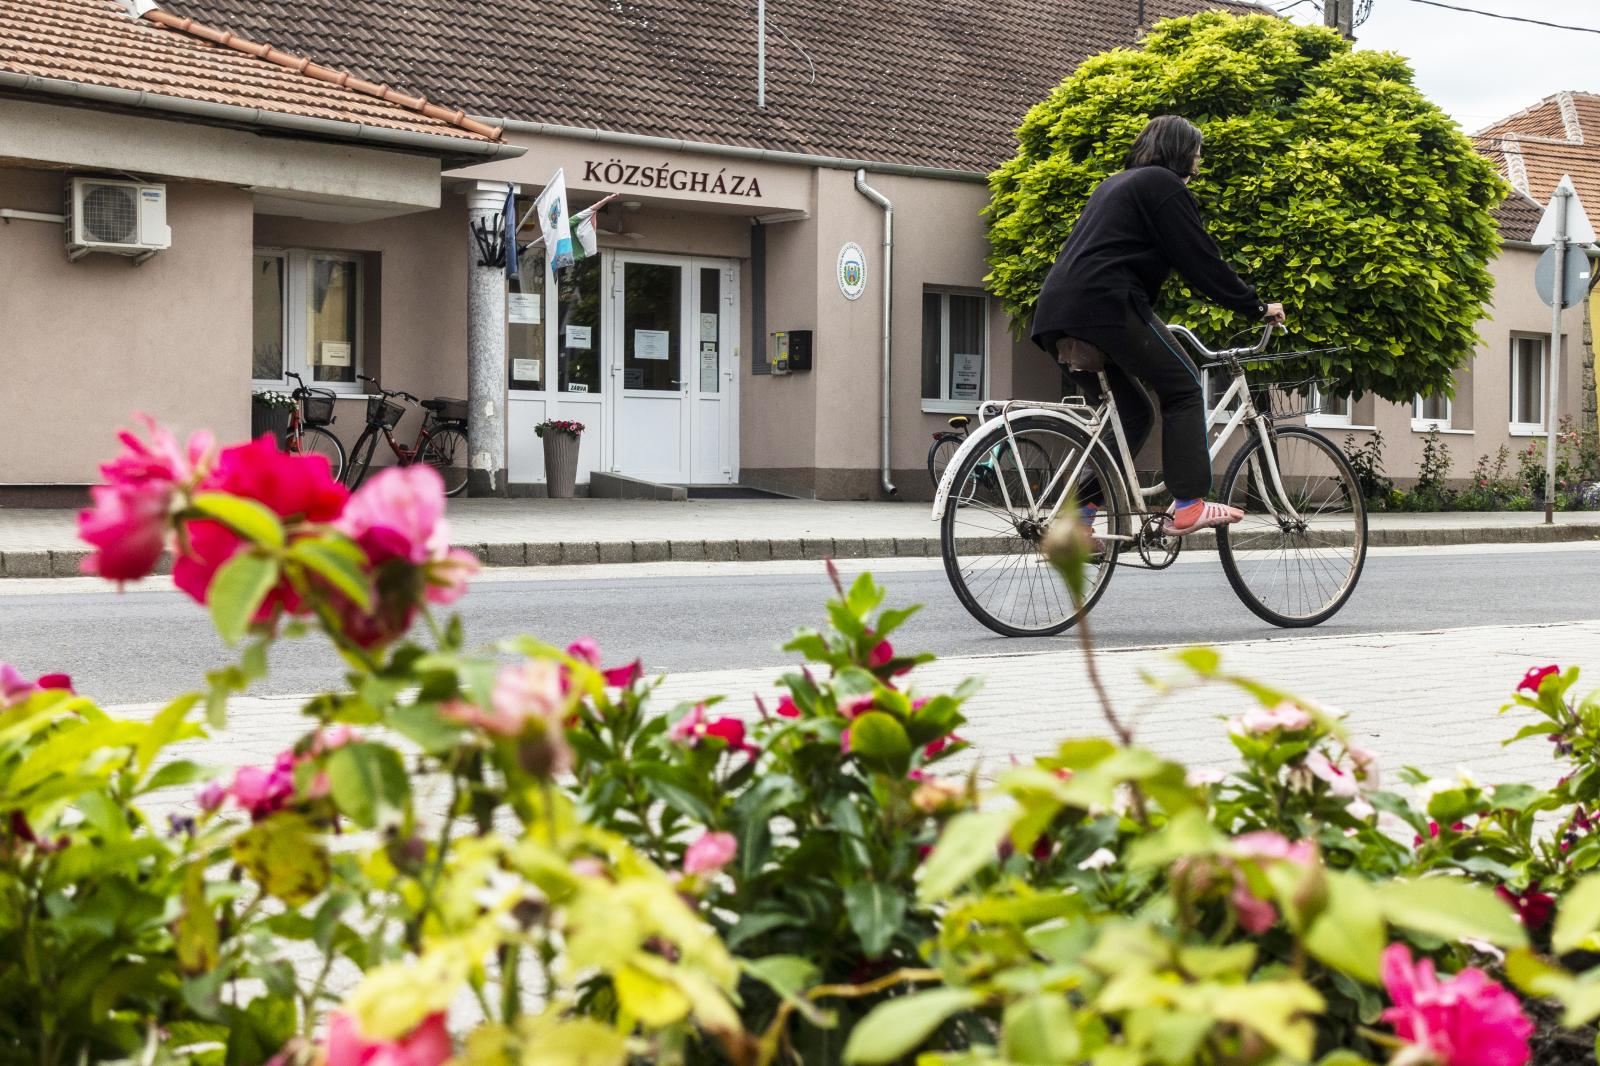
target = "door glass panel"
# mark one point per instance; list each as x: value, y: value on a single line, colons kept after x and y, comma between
x: 333, y: 318
x: 966, y: 347
x: 652, y: 339
x: 578, y: 317
x: 266, y: 312
x: 710, y: 330
x: 525, y: 329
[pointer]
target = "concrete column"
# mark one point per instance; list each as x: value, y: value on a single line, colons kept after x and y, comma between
x: 486, y: 348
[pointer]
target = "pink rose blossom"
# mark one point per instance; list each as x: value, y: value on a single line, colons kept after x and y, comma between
x: 1340, y: 782
x: 426, y: 1045
x: 710, y: 853
x: 399, y: 514
x: 1285, y: 715
x: 127, y: 524
x: 522, y: 692
x: 1466, y: 1020
x: 1535, y: 677
x: 1255, y: 915
x: 263, y: 792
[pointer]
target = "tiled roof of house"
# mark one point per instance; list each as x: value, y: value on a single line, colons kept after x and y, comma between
x: 1536, y: 146
x: 1518, y: 216
x: 101, y: 43
x: 900, y: 81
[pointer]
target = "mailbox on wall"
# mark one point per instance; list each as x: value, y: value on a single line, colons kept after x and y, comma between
x: 789, y: 350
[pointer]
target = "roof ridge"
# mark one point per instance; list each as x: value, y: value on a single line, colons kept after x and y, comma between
x: 305, y: 66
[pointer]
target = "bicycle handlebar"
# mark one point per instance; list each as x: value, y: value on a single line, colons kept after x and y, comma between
x: 1226, y: 353
x: 388, y: 392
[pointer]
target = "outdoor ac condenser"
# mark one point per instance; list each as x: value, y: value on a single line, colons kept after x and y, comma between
x: 121, y: 217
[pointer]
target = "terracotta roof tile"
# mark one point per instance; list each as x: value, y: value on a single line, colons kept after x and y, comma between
x: 901, y: 81
x: 97, y: 42
x: 1518, y: 216
x: 1537, y: 145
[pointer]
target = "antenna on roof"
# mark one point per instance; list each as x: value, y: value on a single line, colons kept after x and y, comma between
x: 761, y: 53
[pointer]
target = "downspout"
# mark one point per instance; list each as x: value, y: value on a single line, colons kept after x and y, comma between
x: 888, y: 304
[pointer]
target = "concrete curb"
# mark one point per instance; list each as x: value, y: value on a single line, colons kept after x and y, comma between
x: 37, y: 564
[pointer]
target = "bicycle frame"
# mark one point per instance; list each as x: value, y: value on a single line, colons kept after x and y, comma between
x: 1094, y: 420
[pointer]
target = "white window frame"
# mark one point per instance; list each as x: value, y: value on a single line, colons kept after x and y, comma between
x: 1529, y: 429
x: 1425, y: 425
x: 296, y: 327
x: 945, y: 405
x: 1316, y: 417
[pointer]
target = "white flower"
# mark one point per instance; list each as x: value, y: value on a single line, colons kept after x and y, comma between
x: 1202, y: 778
x: 1359, y: 808
x: 1483, y: 947
x: 1432, y: 787
x: 1466, y: 778
x: 1099, y: 860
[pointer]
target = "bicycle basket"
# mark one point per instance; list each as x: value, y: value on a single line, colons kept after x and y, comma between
x: 384, y: 412
x: 1292, y: 399
x: 316, y: 407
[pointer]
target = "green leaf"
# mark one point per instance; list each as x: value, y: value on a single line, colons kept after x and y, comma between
x: 176, y: 773
x: 237, y: 591
x: 1451, y: 908
x: 877, y: 737
x: 338, y: 562
x: 197, y: 932
x: 245, y: 517
x: 970, y: 842
x: 894, y: 1029
x: 285, y: 856
x: 1040, y: 1031
x: 1578, y: 915
x: 163, y: 730
x: 876, y: 914
x: 424, y: 726
x: 366, y: 779
x: 789, y: 976
x: 1349, y: 935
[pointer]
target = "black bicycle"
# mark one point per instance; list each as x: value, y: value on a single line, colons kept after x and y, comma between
x: 441, y: 440
x: 945, y: 444
x: 999, y: 474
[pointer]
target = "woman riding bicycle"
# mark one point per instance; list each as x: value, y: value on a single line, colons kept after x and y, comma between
x: 1095, y: 308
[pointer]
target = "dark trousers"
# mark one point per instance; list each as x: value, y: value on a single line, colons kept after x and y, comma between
x: 1142, y: 350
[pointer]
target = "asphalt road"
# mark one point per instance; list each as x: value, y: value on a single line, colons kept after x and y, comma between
x: 148, y: 646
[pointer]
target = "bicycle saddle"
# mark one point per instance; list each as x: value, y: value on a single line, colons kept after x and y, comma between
x: 1081, y: 356
x: 440, y: 404
x: 959, y: 421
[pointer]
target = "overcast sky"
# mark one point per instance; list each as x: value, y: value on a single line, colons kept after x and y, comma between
x: 1481, y: 69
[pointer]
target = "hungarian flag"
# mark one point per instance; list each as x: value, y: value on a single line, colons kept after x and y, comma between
x: 554, y: 223
x: 583, y: 229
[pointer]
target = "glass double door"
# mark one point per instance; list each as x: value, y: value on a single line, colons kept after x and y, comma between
x: 670, y: 350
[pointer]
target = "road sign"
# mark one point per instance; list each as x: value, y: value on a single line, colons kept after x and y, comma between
x: 1576, y: 283
x: 1579, y: 231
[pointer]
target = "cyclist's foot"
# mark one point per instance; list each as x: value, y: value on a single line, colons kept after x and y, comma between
x: 1201, y: 514
x: 1087, y: 516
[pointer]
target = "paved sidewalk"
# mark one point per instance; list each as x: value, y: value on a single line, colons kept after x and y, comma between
x: 537, y: 532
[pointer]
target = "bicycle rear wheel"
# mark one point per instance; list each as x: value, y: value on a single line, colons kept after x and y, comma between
x: 360, y: 459
x: 446, y: 451
x: 990, y: 539
x: 317, y: 441
x: 944, y: 448
x: 1296, y: 556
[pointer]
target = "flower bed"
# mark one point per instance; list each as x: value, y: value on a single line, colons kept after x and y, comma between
x: 610, y: 881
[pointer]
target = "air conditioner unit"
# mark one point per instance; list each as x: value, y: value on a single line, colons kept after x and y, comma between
x: 121, y: 217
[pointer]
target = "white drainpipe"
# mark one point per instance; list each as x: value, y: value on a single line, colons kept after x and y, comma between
x: 888, y: 304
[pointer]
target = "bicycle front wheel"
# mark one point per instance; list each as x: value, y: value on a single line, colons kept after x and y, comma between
x: 360, y: 459
x: 317, y: 441
x: 945, y: 446
x: 990, y: 537
x: 446, y: 451
x: 1296, y: 556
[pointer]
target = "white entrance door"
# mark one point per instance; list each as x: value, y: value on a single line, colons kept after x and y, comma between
x: 671, y: 356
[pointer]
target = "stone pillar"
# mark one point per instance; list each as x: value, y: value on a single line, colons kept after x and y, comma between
x: 486, y: 348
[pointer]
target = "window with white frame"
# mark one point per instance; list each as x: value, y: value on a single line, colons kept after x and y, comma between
x: 955, y: 350
x: 306, y: 318
x: 1529, y: 363
x: 1325, y: 409
x: 1430, y: 412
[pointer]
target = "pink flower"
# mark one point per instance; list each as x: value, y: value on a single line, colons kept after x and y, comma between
x: 855, y: 708
x: 694, y: 727
x: 710, y: 853
x: 1285, y: 715
x: 262, y: 792
x: 426, y: 1045
x: 1533, y: 907
x: 1340, y: 782
x: 1365, y: 763
x: 295, y: 487
x: 1267, y: 845
x: 938, y: 744
x: 211, y: 796
x: 882, y: 653
x: 522, y: 691
x: 1535, y: 677
x: 399, y: 514
x: 787, y: 708
x: 586, y: 650
x: 14, y: 688
x: 1255, y: 915
x: 1467, y: 1020
x: 127, y: 523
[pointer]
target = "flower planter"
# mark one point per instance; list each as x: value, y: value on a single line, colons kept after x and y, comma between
x: 270, y: 418
x: 560, y: 463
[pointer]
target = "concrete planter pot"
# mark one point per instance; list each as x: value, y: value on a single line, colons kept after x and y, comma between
x: 560, y: 463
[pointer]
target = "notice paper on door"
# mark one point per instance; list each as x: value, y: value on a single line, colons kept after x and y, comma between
x: 652, y: 344
x: 579, y: 336
x: 525, y: 369
x: 708, y: 367
x: 522, y: 308
x: 968, y: 370
x: 335, y: 353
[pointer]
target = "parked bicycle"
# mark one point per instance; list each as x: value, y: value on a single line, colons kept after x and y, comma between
x: 307, y: 433
x: 441, y: 439
x: 1294, y: 559
x: 996, y: 466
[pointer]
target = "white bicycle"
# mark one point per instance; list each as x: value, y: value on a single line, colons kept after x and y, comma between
x: 1294, y: 559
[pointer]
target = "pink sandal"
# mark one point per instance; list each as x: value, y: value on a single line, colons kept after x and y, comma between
x: 1207, y: 515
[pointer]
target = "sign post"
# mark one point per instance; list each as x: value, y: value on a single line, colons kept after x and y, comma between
x: 1564, y: 223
